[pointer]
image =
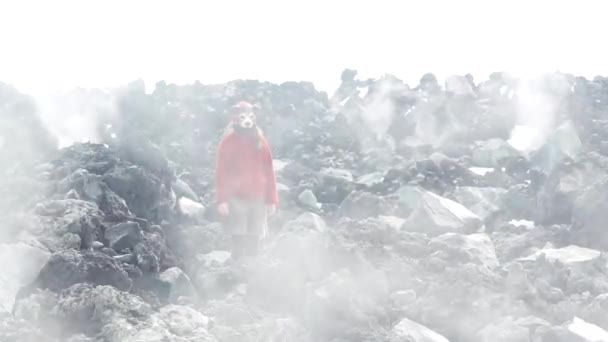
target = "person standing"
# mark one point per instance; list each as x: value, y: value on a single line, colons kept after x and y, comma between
x: 245, y: 182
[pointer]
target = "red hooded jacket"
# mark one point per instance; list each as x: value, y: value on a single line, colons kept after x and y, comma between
x: 244, y: 169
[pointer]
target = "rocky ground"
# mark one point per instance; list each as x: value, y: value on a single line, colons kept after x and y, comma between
x: 407, y: 214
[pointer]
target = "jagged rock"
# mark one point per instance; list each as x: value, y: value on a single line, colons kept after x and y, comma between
x: 564, y: 143
x: 361, y: 205
x: 305, y: 222
x: 179, y: 284
x: 493, y: 153
x: 475, y: 248
x: 435, y: 215
x: 70, y: 267
x: 507, y: 330
x: 56, y: 218
x: 192, y: 210
x: 459, y: 86
x: 123, y: 236
x: 411, y: 331
x: 155, y: 239
x: 182, y: 189
x: 308, y: 199
x: 556, y: 198
x: 90, y: 309
x: 145, y: 258
x: 172, y: 323
x: 484, y: 202
x: 589, y: 215
x: 189, y: 241
x: 138, y: 187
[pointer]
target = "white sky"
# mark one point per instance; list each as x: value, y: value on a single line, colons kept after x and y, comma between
x: 50, y: 45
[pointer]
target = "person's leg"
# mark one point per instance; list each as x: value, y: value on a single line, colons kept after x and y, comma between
x: 257, y: 225
x: 238, y: 247
x: 235, y: 224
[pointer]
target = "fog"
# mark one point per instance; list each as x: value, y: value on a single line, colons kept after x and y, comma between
x: 110, y: 118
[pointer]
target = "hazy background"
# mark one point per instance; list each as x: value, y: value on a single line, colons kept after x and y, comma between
x: 55, y: 45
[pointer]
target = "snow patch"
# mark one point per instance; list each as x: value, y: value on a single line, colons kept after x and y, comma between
x: 503, y: 89
x: 1, y: 141
x: 522, y: 223
x: 482, y: 171
x: 525, y: 138
x: 567, y: 255
x: 343, y: 102
x: 279, y: 165
x: 363, y: 92
x: 588, y: 331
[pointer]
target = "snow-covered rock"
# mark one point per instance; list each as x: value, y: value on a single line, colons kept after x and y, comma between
x: 492, y: 152
x: 567, y: 255
x: 475, y: 248
x: 409, y: 330
x: 435, y: 215
x: 482, y: 201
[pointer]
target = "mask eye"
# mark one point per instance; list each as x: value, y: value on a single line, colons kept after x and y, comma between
x: 242, y: 117
x: 252, y: 116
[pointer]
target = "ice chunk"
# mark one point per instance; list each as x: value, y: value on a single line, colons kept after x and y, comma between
x: 588, y: 331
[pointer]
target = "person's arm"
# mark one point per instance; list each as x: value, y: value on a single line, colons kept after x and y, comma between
x: 272, y: 196
x: 220, y: 173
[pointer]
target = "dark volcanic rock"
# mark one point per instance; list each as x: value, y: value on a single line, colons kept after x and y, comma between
x: 139, y: 188
x: 123, y: 235
x: 70, y: 267
x: 54, y: 219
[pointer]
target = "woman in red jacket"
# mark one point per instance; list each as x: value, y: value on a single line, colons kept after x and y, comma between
x: 245, y: 181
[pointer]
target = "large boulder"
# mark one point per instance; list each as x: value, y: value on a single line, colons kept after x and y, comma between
x: 70, y: 267
x: 140, y: 188
x: 361, y: 205
x: 179, y: 284
x: 484, y: 202
x: 474, y: 248
x: 59, y: 222
x: 436, y: 215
